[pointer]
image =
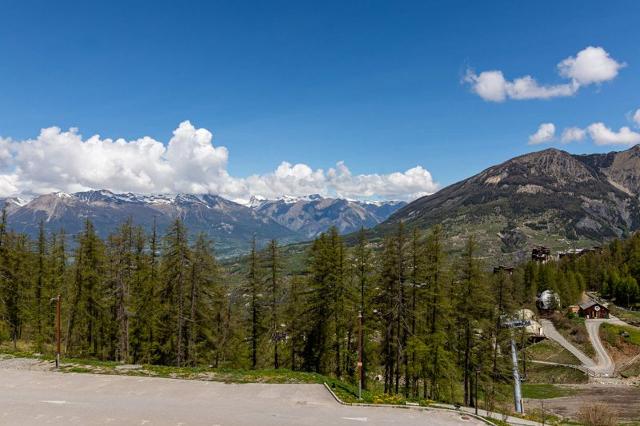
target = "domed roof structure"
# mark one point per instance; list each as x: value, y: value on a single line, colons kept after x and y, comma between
x: 548, y: 301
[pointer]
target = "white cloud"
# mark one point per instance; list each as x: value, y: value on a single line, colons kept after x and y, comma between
x: 602, y: 135
x: 572, y: 134
x: 591, y: 65
x: 527, y: 88
x: 636, y: 117
x: 546, y: 133
x: 489, y: 85
x: 300, y: 179
x: 59, y: 160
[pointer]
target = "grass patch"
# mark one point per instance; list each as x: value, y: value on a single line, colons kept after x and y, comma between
x: 632, y: 317
x: 496, y: 422
x: 549, y: 351
x: 575, y: 331
x: 617, y: 335
x: 545, y: 391
x: 554, y: 374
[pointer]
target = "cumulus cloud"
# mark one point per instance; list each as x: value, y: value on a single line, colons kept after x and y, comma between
x: 492, y: 86
x: 546, y: 133
x: 636, y: 117
x: 58, y: 160
x: 572, y: 134
x: 300, y: 179
x: 602, y: 135
x: 592, y: 65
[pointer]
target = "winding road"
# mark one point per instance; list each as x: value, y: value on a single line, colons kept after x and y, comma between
x: 603, y: 366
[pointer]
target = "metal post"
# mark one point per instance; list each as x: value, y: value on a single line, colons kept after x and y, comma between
x: 58, y: 301
x: 517, y: 394
x: 360, y: 355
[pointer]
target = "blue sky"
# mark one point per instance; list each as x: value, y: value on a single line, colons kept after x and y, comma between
x: 378, y: 85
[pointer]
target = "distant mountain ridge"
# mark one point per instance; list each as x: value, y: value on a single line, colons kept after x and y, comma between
x: 548, y: 197
x: 231, y: 225
x: 315, y: 214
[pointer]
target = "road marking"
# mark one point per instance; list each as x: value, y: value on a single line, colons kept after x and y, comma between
x: 54, y: 402
x: 355, y: 419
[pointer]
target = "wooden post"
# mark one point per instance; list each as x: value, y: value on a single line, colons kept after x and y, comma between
x: 58, y: 301
x: 360, y: 355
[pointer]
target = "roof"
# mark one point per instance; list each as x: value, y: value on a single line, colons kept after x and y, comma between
x: 587, y: 305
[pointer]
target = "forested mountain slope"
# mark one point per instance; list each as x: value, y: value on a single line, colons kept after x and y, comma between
x: 548, y: 197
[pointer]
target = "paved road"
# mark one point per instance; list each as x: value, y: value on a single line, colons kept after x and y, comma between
x: 605, y: 366
x: 553, y: 334
x: 47, y: 398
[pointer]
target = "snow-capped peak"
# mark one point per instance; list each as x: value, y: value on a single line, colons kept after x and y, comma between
x: 255, y: 201
x: 17, y: 201
x: 61, y: 194
x: 290, y: 199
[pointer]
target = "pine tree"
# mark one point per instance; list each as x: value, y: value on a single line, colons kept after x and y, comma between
x: 87, y: 332
x: 10, y: 291
x: 325, y: 304
x: 274, y: 298
x: 205, y: 301
x: 362, y: 259
x: 41, y: 287
x: 472, y: 310
x: 176, y: 261
x: 254, y: 292
x: 143, y: 302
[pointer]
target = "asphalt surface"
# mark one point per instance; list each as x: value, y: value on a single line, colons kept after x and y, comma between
x: 48, y: 398
x: 553, y: 334
x: 605, y: 365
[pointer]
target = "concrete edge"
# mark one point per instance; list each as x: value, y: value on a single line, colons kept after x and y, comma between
x: 406, y: 407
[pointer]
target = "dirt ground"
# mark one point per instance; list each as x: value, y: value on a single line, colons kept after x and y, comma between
x: 624, y: 400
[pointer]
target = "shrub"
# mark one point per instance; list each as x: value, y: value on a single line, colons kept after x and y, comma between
x: 597, y: 415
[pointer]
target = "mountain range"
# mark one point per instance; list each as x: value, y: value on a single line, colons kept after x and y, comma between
x: 549, y: 197
x: 230, y: 225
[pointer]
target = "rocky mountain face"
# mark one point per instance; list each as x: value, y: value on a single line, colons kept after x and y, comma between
x: 230, y: 225
x: 314, y: 214
x: 549, y: 197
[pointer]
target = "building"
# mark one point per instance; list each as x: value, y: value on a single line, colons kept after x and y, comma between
x: 541, y: 254
x: 573, y: 309
x: 506, y: 269
x: 534, y: 329
x: 593, y: 309
x: 575, y: 253
x: 548, y: 302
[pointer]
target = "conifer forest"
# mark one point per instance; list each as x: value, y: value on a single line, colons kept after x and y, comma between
x: 429, y: 321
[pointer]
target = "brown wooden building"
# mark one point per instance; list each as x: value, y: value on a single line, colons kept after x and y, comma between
x: 593, y: 309
x: 540, y: 254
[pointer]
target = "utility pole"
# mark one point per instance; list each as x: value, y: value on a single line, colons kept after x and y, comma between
x: 58, y: 338
x: 517, y: 394
x: 360, y: 355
